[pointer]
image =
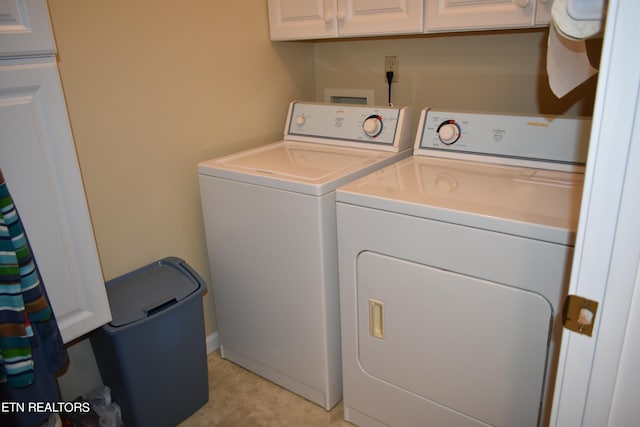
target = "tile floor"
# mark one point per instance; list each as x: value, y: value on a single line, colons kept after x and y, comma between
x: 238, y: 397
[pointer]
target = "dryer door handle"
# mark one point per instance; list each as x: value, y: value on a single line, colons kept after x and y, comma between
x: 376, y: 318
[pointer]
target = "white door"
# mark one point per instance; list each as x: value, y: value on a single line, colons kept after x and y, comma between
x: 302, y: 19
x: 475, y: 347
x: 380, y: 17
x: 598, y: 377
x: 444, y: 15
x: 38, y: 161
x: 25, y: 28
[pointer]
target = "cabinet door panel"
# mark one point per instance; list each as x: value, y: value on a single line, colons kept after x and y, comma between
x: 446, y: 15
x: 25, y: 28
x: 380, y: 17
x: 38, y: 161
x: 302, y: 19
x: 543, y: 12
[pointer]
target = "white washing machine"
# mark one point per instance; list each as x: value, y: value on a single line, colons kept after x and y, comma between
x: 453, y: 266
x: 270, y: 222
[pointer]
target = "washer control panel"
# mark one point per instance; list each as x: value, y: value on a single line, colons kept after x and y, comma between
x: 340, y: 123
x: 502, y: 136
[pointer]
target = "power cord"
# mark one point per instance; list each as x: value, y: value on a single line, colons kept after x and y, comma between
x: 390, y: 80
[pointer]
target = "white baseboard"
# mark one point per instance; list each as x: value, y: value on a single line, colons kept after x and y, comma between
x: 212, y: 342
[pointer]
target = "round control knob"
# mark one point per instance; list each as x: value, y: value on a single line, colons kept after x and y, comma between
x: 372, y: 126
x: 449, y: 132
x: 300, y: 120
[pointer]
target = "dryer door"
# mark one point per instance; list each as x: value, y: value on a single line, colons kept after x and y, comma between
x: 475, y: 347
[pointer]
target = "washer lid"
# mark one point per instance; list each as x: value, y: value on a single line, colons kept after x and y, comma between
x: 299, y: 166
x: 534, y: 203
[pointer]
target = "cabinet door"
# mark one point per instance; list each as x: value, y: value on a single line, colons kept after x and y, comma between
x: 543, y: 12
x: 448, y: 15
x: 25, y: 28
x: 380, y: 17
x: 302, y: 19
x: 38, y: 161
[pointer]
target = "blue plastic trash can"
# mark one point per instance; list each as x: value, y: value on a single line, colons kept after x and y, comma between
x: 152, y: 354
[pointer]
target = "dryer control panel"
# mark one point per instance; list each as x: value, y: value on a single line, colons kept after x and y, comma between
x: 373, y: 127
x: 558, y: 142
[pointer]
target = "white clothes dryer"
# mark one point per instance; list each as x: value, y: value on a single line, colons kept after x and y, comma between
x: 269, y: 216
x: 453, y: 266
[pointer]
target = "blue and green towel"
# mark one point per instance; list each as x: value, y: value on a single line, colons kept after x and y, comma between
x: 23, y: 303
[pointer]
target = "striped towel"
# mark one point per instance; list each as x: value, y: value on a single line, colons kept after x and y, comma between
x: 23, y: 300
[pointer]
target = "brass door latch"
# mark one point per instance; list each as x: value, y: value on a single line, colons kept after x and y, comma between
x: 579, y: 314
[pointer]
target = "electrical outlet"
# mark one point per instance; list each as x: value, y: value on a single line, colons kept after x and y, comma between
x: 392, y: 63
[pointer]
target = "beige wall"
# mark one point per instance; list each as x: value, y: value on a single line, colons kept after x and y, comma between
x: 153, y: 88
x: 500, y: 71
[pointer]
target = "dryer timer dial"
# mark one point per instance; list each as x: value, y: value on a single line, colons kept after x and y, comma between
x: 372, y: 125
x: 448, y: 132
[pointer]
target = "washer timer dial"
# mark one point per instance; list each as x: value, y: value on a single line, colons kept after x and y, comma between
x: 300, y: 120
x: 448, y: 132
x: 372, y: 125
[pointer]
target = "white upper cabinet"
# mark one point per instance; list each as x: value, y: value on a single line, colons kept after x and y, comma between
x: 314, y: 19
x: 461, y: 15
x: 319, y: 19
x: 543, y: 12
x: 25, y: 28
x: 380, y: 17
x: 302, y: 19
